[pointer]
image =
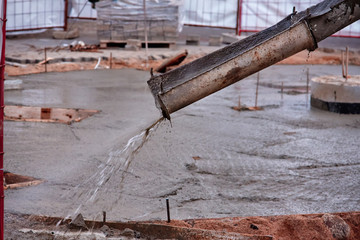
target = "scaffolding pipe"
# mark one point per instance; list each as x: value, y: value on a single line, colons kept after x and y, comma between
x: 298, y: 31
x: 66, y: 15
x: 2, y: 70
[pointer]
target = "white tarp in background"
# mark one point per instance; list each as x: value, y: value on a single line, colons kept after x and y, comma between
x: 82, y: 9
x: 215, y: 13
x: 124, y: 19
x: 34, y: 14
x: 257, y: 15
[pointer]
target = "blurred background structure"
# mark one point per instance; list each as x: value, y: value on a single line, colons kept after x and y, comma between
x: 241, y: 16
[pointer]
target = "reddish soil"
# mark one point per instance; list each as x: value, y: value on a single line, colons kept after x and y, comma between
x: 320, y: 56
x: 64, y: 67
x: 287, y: 227
x: 11, y: 178
x: 310, y: 226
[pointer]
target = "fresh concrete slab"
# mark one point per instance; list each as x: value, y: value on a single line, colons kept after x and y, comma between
x: 15, y: 84
x: 212, y: 162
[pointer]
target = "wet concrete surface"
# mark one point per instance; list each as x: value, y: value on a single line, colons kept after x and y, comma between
x: 212, y: 162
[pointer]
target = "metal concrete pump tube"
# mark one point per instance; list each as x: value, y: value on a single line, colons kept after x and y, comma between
x: 298, y: 31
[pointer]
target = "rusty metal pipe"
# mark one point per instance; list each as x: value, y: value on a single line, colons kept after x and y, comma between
x: 172, y: 98
x: 272, y: 51
x: 202, y: 77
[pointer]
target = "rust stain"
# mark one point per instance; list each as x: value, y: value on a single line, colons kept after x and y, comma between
x: 256, y: 55
x: 232, y: 76
x: 39, y: 114
x: 45, y: 113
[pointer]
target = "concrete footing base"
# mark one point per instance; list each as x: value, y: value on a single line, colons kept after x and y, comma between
x: 336, y: 94
x: 70, y: 34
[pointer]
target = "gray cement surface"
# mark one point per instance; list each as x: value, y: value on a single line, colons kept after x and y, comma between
x: 212, y: 162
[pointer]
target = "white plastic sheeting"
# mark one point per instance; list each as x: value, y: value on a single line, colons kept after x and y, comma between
x: 34, y: 14
x: 214, y: 13
x: 257, y: 15
x: 133, y: 10
x: 82, y: 9
x: 125, y: 19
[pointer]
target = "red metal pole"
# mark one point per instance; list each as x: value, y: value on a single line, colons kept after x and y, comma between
x: 2, y: 70
x: 239, y: 15
x: 66, y: 15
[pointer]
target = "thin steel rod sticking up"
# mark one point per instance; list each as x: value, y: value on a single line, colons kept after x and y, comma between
x: 257, y: 88
x: 347, y: 64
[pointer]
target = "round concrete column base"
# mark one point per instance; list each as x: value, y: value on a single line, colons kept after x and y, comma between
x: 336, y: 94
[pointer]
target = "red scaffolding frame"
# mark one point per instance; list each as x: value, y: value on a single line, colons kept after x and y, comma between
x: 2, y: 70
